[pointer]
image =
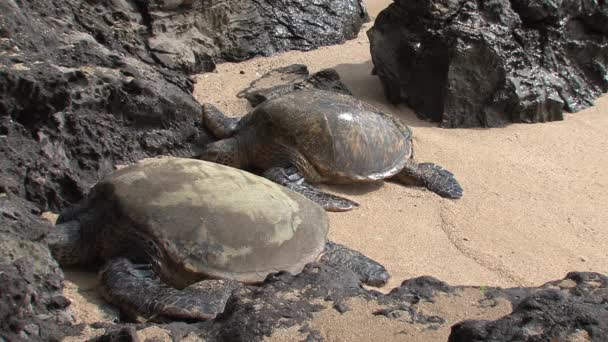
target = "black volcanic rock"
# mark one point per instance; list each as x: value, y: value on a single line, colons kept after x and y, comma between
x: 76, y: 99
x: 573, y: 309
x: 488, y: 63
x: 31, y: 299
x: 191, y: 35
x: 563, y: 310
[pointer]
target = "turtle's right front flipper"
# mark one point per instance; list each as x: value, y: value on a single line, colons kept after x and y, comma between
x: 294, y: 181
x: 137, y: 291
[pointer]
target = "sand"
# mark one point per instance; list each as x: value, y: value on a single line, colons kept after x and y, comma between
x: 534, y: 206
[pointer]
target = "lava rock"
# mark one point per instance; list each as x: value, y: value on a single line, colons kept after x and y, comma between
x: 76, y: 100
x: 284, y: 300
x: 573, y: 309
x: 31, y: 299
x: 489, y: 63
x: 192, y: 35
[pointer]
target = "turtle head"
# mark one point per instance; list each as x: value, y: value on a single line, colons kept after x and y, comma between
x: 64, y: 241
x: 225, y: 152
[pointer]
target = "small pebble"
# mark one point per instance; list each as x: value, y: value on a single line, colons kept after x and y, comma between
x: 341, y: 307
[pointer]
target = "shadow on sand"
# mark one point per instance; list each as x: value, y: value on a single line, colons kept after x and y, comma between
x: 368, y: 88
x: 353, y: 189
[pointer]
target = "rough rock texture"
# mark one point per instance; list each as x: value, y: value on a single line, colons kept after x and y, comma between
x: 31, y: 299
x: 191, y: 35
x: 71, y: 107
x: 488, y: 63
x: 573, y: 309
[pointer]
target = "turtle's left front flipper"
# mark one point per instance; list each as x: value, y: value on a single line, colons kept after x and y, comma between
x: 370, y: 272
x: 431, y: 176
x: 137, y: 291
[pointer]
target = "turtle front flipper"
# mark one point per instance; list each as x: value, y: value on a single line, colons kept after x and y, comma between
x: 137, y: 291
x: 293, y: 180
x: 370, y: 272
x: 219, y: 124
x: 431, y: 176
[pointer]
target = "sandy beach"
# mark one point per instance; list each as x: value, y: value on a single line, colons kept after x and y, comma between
x: 534, y: 206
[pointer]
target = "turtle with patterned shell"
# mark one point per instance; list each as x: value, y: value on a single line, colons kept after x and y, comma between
x: 314, y: 136
x: 177, y: 236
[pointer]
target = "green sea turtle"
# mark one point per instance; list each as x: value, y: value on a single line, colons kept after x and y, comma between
x: 314, y: 136
x: 179, y: 235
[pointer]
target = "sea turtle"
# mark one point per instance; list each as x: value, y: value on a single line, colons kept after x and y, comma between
x: 314, y: 136
x: 179, y: 235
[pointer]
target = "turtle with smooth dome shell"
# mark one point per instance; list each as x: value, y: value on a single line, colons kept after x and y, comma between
x: 179, y: 235
x: 314, y: 136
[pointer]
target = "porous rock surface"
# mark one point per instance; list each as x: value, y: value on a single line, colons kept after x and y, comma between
x: 192, y: 34
x: 31, y: 299
x: 574, y: 307
x: 77, y: 99
x: 488, y: 63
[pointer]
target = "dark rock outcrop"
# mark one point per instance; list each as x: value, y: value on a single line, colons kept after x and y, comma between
x: 573, y: 309
x: 191, y: 35
x: 31, y: 298
x: 75, y: 100
x: 488, y: 63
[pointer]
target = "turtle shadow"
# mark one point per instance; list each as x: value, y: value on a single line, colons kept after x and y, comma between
x: 353, y: 189
x: 367, y: 87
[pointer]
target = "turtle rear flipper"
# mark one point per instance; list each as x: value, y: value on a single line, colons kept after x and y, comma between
x: 370, y: 272
x: 137, y: 291
x: 431, y: 176
x: 295, y: 181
